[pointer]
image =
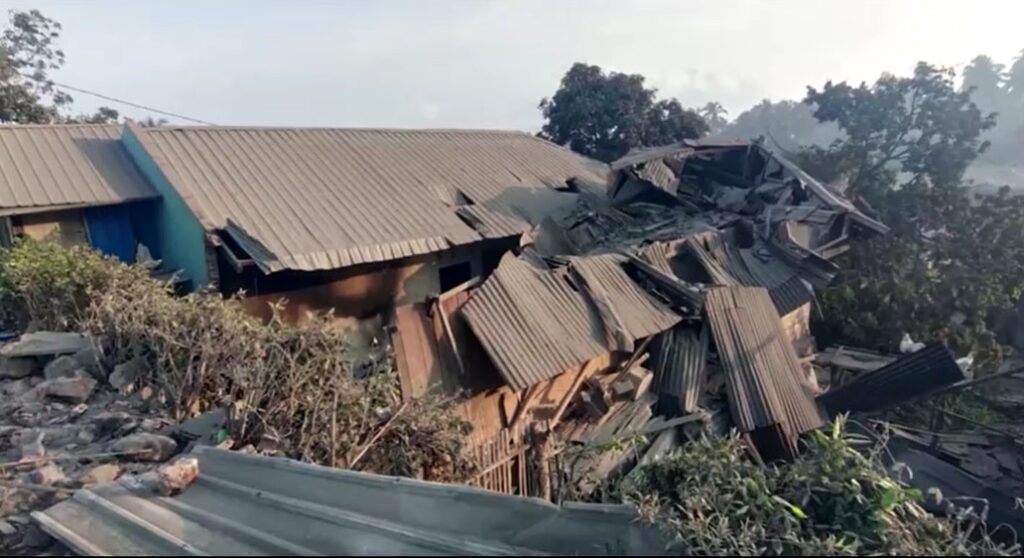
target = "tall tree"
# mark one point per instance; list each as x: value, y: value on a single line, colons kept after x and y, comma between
x: 903, y: 128
x: 28, y: 53
x: 604, y: 115
x: 954, y: 263
x: 785, y: 125
x: 715, y: 115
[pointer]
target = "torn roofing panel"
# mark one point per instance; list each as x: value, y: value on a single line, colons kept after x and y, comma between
x: 679, y: 359
x: 791, y: 295
x: 536, y: 322
x: 532, y: 323
x: 910, y: 375
x: 254, y: 505
x: 52, y: 166
x: 763, y: 376
x: 491, y: 224
x: 606, y: 282
x: 328, y: 198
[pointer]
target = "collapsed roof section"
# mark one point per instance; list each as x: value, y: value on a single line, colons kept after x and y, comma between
x: 537, y: 320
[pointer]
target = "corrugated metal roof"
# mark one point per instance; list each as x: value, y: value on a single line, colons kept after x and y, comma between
x: 59, y: 166
x: 252, y: 505
x: 608, y: 285
x: 532, y: 323
x: 491, y: 224
x: 330, y: 198
x: 679, y: 360
x: 763, y: 376
x: 536, y: 322
x: 911, y: 375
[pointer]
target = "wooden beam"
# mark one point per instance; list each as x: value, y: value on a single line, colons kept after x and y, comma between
x: 568, y: 397
x: 451, y: 337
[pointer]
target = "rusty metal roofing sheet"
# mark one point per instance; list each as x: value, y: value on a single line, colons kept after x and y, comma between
x: 328, y: 198
x: 244, y: 505
x: 532, y: 323
x: 60, y: 166
x: 679, y: 359
x: 910, y: 375
x: 490, y: 223
x: 605, y: 280
x: 763, y: 376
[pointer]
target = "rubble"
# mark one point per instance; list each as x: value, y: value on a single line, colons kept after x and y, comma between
x: 16, y: 367
x: 45, y: 343
x: 146, y: 447
x: 100, y: 474
x: 75, y: 389
x: 61, y: 367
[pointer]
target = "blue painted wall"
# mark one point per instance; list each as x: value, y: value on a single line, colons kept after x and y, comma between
x: 181, y: 239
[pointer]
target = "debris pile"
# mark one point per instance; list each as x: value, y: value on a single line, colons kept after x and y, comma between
x: 63, y: 426
x: 676, y: 305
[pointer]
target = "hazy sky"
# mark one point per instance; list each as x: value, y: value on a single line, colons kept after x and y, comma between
x: 423, y: 63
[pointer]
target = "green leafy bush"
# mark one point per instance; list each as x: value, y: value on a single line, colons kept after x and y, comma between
x: 711, y: 499
x: 46, y: 286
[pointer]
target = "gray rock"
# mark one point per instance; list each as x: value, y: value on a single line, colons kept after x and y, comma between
x: 47, y: 474
x: 76, y: 389
x: 126, y: 374
x: 61, y: 367
x: 6, y: 529
x: 31, y: 443
x: 147, y: 447
x: 100, y: 474
x: 16, y: 388
x: 113, y: 423
x: 13, y: 367
x: 45, y: 343
x: 90, y: 362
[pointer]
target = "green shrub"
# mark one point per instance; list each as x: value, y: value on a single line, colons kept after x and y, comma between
x: 46, y: 286
x: 711, y: 499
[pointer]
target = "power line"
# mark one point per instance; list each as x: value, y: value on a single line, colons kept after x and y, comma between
x: 124, y: 102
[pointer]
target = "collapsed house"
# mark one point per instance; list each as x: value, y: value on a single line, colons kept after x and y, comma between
x: 677, y: 302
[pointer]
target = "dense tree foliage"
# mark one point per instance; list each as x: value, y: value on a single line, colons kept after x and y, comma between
x: 28, y: 53
x: 953, y: 265
x: 604, y: 115
x: 1000, y: 90
x: 787, y: 126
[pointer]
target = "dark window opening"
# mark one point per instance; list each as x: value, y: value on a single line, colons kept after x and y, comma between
x: 454, y: 275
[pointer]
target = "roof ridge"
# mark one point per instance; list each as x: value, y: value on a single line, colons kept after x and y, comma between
x: 166, y: 128
x: 58, y: 125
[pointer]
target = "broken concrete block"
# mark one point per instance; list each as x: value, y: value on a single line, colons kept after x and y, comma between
x: 61, y: 367
x: 147, y: 447
x: 45, y: 343
x: 126, y: 374
x: 16, y: 388
x: 175, y: 477
x: 6, y: 529
x: 47, y: 474
x: 34, y: 537
x: 100, y: 474
x: 14, y: 368
x: 76, y: 389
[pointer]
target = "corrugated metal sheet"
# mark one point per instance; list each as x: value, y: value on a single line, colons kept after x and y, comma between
x: 536, y: 322
x: 911, y: 375
x: 638, y: 314
x: 679, y: 361
x: 252, y: 505
x: 329, y: 198
x: 763, y: 376
x: 532, y: 323
x: 791, y: 295
x: 61, y: 166
x: 490, y: 223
